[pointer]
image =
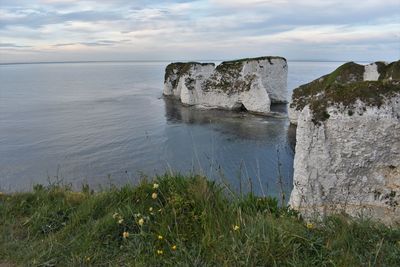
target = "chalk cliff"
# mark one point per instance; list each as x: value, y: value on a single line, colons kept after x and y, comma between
x: 347, y: 155
x: 347, y: 73
x: 252, y: 84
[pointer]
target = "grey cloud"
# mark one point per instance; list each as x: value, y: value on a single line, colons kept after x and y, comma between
x: 191, y: 28
x: 12, y: 45
x: 94, y: 43
x: 43, y: 17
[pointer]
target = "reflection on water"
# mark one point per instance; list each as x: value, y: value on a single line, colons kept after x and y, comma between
x: 241, y: 125
x: 235, y: 144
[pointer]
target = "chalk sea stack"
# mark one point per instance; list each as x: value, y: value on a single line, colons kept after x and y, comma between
x: 250, y: 84
x: 347, y: 155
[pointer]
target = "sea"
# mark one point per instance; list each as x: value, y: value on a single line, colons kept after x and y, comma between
x: 107, y: 124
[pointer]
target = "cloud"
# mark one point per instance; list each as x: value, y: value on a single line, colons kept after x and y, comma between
x: 11, y: 45
x: 200, y: 29
x: 94, y: 43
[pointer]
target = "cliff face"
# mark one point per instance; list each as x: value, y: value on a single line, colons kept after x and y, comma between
x: 348, y: 151
x: 248, y: 83
x: 346, y: 74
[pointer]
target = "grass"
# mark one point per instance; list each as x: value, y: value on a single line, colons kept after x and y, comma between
x: 180, y: 221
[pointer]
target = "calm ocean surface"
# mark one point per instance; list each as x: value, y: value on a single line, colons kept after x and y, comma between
x: 102, y: 123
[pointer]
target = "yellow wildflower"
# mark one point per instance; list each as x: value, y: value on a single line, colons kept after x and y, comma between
x: 151, y: 209
x: 160, y: 237
x: 160, y: 252
x: 154, y: 195
x: 125, y: 234
x: 173, y: 247
x: 141, y: 221
x: 236, y: 227
x: 310, y: 225
x: 120, y: 221
x: 115, y: 215
x: 155, y: 186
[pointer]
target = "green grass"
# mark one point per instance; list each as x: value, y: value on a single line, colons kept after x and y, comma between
x: 54, y: 226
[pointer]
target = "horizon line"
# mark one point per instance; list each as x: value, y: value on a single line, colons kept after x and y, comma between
x: 150, y: 60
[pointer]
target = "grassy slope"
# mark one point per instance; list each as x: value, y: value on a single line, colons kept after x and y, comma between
x: 55, y: 226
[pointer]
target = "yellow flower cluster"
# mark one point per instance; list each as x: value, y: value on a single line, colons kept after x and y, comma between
x: 125, y: 235
x: 118, y: 217
x: 141, y: 221
x: 310, y: 225
x: 236, y: 227
x: 155, y: 195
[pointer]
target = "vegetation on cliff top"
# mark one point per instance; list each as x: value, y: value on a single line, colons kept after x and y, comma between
x: 269, y: 58
x: 179, y: 221
x: 226, y: 78
x: 345, y: 86
x: 392, y: 71
x: 371, y: 93
x: 179, y: 69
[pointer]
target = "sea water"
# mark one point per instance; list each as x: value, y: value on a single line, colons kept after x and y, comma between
x: 107, y: 123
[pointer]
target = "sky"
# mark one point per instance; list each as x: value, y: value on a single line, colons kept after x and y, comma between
x: 86, y: 30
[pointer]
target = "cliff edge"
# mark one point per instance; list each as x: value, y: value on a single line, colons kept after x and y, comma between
x: 345, y: 74
x: 348, y: 145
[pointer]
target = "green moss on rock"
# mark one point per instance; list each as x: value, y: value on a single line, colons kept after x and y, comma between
x: 227, y: 78
x: 371, y: 93
x: 331, y: 88
x: 269, y: 58
x: 179, y: 69
x: 190, y: 83
x: 347, y: 73
x: 392, y: 71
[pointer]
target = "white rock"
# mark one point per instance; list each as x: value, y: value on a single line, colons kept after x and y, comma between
x: 371, y: 72
x: 330, y: 177
x: 251, y: 83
